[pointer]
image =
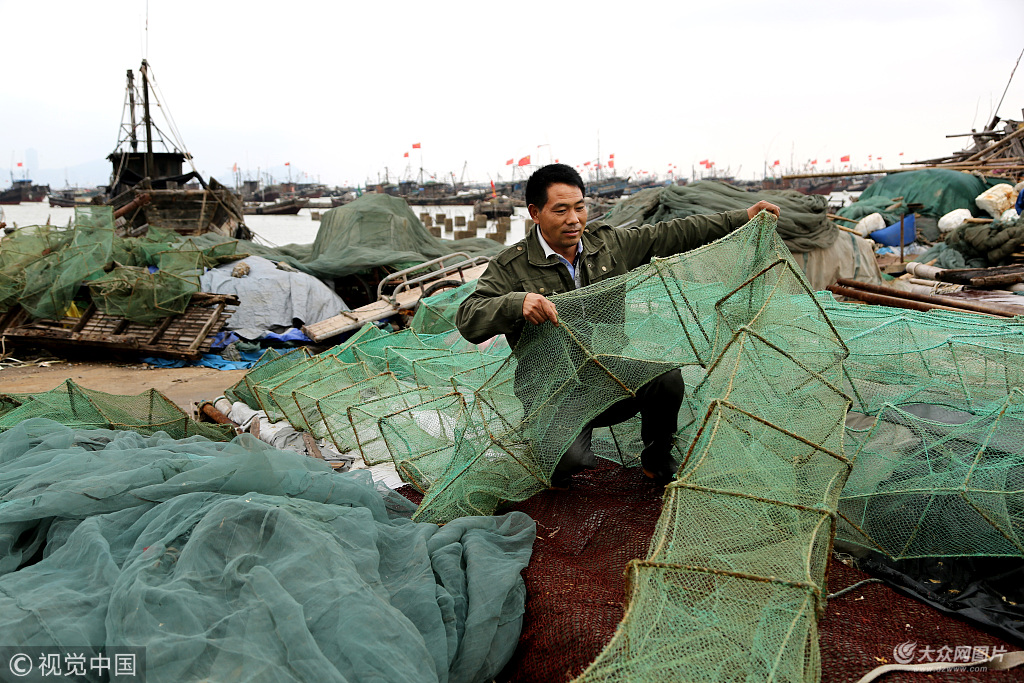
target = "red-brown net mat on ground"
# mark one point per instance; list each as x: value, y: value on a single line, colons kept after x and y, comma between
x: 575, y: 592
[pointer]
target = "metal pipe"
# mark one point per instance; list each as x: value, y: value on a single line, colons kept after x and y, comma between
x: 144, y: 70
x: 136, y: 203
x: 882, y: 300
x: 940, y: 301
x: 208, y: 409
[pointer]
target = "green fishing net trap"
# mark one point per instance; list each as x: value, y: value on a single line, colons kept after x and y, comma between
x: 81, y: 408
x: 143, y: 279
x: 805, y: 420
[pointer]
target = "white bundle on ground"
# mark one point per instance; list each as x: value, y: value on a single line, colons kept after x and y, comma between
x: 954, y: 219
x: 996, y: 199
x: 870, y: 223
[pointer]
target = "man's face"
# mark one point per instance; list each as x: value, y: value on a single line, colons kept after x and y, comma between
x: 562, y: 218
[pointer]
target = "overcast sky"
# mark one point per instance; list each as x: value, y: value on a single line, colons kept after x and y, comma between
x: 342, y: 90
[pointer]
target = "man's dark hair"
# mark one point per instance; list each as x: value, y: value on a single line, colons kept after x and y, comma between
x: 546, y: 176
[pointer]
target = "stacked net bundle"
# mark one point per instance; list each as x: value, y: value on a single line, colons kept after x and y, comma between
x: 143, y: 279
x: 936, y: 428
x: 80, y: 408
x: 236, y: 561
x: 19, y: 249
x: 142, y: 296
x: 804, y: 224
x: 52, y: 281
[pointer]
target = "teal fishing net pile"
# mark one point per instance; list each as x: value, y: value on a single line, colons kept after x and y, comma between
x: 236, y: 561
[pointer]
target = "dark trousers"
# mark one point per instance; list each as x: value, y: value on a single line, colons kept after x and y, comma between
x: 658, y: 403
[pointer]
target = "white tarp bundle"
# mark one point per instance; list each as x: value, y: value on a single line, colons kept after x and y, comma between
x: 272, y: 297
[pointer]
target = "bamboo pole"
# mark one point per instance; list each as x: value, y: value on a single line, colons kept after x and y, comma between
x: 837, y: 217
x: 995, y: 146
x: 1016, y: 166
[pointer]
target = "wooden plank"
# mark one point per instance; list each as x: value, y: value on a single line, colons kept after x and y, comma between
x: 206, y: 328
x: 84, y: 320
x: 377, y: 310
x: 159, y: 331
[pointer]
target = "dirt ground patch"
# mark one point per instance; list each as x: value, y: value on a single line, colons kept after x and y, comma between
x: 183, y: 386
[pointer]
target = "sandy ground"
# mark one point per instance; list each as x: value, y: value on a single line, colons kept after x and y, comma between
x: 184, y: 386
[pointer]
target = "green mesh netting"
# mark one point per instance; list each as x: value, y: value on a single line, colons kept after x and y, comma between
x: 372, y: 231
x: 53, y: 279
x: 141, y: 296
x: 235, y: 561
x: 19, y: 249
x: 80, y: 408
x: 436, y: 313
x: 934, y: 432
x: 142, y: 279
x: 936, y: 428
x: 804, y: 225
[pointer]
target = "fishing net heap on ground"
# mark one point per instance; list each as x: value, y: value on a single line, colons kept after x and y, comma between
x: 236, y: 561
x: 151, y: 277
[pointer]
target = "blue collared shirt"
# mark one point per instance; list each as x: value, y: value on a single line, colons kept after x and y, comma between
x: 548, y: 251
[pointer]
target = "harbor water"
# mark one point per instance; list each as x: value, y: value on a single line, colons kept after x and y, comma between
x: 273, y: 230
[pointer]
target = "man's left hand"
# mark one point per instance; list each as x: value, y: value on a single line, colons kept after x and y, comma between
x: 767, y: 206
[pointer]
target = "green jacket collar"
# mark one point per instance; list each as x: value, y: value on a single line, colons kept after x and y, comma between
x: 535, y: 253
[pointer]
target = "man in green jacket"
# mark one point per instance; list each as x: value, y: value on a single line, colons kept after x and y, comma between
x: 562, y: 253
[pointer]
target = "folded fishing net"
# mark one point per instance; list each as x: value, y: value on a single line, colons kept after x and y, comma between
x: 236, y: 561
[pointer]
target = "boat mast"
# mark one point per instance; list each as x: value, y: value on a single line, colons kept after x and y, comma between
x: 131, y: 108
x: 144, y: 70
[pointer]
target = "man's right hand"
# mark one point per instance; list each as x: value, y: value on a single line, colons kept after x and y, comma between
x: 537, y: 309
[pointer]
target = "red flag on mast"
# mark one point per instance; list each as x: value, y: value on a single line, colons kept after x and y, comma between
x: 416, y: 145
x: 525, y: 161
